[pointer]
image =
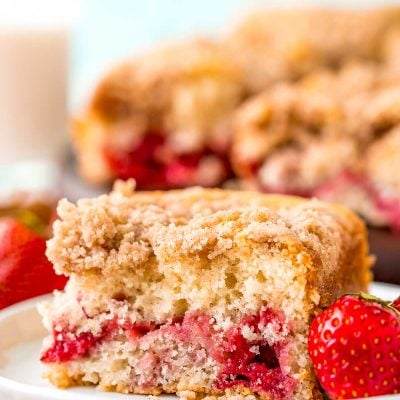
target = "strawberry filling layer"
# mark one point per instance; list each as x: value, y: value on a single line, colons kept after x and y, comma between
x: 252, y: 362
x: 155, y: 165
x: 244, y: 353
x: 68, y: 347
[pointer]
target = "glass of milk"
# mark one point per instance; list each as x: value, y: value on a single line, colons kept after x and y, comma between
x: 34, y: 41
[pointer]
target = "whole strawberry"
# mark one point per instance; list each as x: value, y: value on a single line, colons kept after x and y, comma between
x: 355, y: 347
x: 25, y: 271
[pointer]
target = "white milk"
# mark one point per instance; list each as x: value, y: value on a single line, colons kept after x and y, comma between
x: 33, y: 72
x: 33, y: 78
x: 34, y: 36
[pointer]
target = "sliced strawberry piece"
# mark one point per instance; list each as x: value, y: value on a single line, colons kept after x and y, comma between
x: 355, y: 347
x: 25, y: 271
x: 68, y: 347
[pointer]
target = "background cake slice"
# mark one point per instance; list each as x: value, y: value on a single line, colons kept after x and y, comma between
x: 303, y: 138
x: 200, y: 291
x: 286, y: 44
x: 162, y: 118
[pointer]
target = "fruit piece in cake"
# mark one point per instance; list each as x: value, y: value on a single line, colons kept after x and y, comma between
x: 200, y: 290
x: 24, y: 269
x: 354, y: 345
x: 162, y: 119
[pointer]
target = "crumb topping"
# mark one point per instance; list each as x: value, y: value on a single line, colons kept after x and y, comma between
x: 126, y: 227
x: 165, y: 235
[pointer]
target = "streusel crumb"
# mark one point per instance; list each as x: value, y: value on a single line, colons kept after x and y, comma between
x: 162, y: 282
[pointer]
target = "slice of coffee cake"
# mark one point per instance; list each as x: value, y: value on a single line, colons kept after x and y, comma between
x: 199, y: 291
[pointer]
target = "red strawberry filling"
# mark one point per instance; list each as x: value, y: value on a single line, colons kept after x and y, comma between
x: 241, y: 352
x: 254, y: 363
x: 68, y: 347
x: 154, y: 165
x: 137, y: 331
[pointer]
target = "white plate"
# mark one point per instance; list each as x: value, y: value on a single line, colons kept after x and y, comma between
x: 21, y: 333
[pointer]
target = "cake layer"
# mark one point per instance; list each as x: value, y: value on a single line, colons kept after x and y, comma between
x: 200, y: 290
